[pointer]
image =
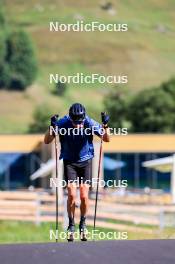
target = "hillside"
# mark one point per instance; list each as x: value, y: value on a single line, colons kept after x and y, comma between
x: 146, y: 53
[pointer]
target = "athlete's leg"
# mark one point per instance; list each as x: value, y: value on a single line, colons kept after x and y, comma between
x: 70, y: 177
x: 71, y: 210
x: 71, y: 200
x: 84, y: 192
x: 84, y: 173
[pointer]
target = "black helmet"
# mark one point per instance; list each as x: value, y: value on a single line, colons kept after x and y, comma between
x: 77, y: 112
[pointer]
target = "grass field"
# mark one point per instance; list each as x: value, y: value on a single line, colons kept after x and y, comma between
x: 146, y: 53
x: 19, y: 232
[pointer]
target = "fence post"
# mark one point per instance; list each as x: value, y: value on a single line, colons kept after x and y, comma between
x: 161, y: 219
x: 38, y: 210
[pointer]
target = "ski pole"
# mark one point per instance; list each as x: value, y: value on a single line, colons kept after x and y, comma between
x: 55, y: 117
x: 56, y: 158
x: 98, y: 177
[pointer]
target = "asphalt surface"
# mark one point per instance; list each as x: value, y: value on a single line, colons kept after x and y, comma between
x: 103, y: 252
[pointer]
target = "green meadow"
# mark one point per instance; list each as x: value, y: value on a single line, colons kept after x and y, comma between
x: 146, y: 53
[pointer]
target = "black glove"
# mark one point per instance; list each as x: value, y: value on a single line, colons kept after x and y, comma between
x: 105, y: 119
x: 53, y: 120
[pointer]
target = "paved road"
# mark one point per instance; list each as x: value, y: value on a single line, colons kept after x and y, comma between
x: 103, y: 252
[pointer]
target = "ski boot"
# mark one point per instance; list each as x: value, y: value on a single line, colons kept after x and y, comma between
x: 82, y: 229
x: 70, y: 231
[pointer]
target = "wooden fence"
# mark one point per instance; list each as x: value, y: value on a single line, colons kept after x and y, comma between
x: 40, y: 207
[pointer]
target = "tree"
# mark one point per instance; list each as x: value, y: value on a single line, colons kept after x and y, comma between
x: 116, y: 104
x: 153, y: 111
x: 4, y: 75
x: 149, y: 111
x: 3, y: 47
x: 169, y: 87
x: 21, y: 59
x: 2, y: 16
x: 41, y: 119
x: 18, y: 65
x: 4, y: 68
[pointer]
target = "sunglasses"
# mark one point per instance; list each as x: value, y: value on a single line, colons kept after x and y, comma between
x: 78, y: 118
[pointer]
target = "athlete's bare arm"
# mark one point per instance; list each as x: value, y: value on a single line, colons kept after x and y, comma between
x: 106, y: 137
x: 48, y: 138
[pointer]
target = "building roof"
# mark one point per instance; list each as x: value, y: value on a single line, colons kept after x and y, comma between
x: 126, y: 144
x: 20, y: 143
x: 162, y: 164
x: 141, y: 143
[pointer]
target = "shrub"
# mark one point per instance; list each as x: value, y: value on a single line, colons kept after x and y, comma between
x: 60, y: 89
x: 41, y: 119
